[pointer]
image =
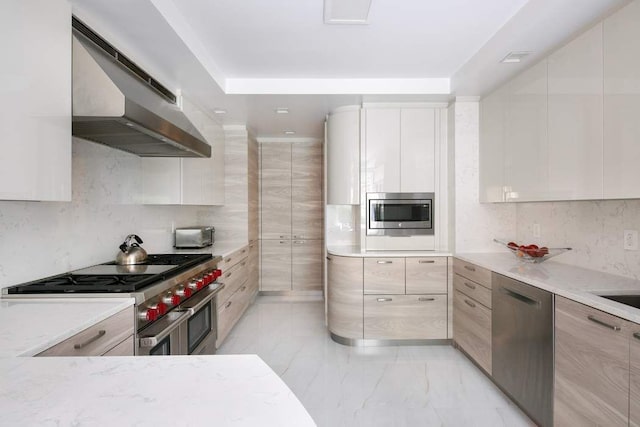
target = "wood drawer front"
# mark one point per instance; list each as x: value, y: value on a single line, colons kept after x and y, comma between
x: 384, y: 276
x: 233, y: 278
x: 233, y: 258
x: 426, y: 275
x: 125, y: 348
x: 591, y: 366
x: 229, y: 312
x: 634, y: 396
x: 344, y: 296
x: 472, y: 329
x: 97, y: 339
x: 472, y: 289
x: 473, y: 272
x: 405, y: 317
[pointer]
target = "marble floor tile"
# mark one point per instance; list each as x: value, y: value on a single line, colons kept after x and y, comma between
x: 370, y: 386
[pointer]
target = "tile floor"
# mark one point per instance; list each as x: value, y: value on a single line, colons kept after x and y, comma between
x: 372, y: 386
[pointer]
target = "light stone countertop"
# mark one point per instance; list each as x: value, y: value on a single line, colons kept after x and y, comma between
x: 146, y: 391
x: 357, y: 251
x: 222, y: 249
x: 30, y: 326
x: 576, y: 283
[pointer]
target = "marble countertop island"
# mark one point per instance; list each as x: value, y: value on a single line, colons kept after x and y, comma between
x: 30, y: 326
x: 576, y: 283
x: 146, y: 391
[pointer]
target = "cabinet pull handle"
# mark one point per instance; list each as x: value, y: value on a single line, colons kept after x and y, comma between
x: 328, y: 258
x: 469, y: 303
x: 244, y: 251
x: 636, y: 335
x: 228, y: 259
x: 298, y: 242
x: 228, y: 275
x: 282, y: 237
x: 385, y: 262
x: 385, y: 299
x: 426, y: 299
x: 242, y: 289
x: 424, y: 261
x: 227, y: 305
x: 468, y: 267
x: 244, y: 263
x: 601, y: 323
x: 99, y: 335
x: 281, y: 241
x: 469, y: 285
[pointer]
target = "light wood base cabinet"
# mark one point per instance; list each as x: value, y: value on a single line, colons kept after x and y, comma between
x: 276, y: 265
x: 472, y: 329
x: 306, y: 265
x: 634, y: 393
x: 591, y: 366
x: 384, y: 276
x: 426, y: 275
x: 405, y: 317
x: 345, y: 293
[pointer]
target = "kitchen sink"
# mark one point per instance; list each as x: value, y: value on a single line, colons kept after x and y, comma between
x: 630, y: 300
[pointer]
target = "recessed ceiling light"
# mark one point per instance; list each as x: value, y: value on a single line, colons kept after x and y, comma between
x: 352, y: 12
x: 219, y: 111
x: 282, y: 110
x: 515, y: 57
x: 289, y: 132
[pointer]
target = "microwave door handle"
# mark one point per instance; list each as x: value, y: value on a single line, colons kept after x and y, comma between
x: 153, y: 340
x: 207, y: 295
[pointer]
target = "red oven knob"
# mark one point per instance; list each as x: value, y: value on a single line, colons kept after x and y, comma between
x: 217, y: 273
x: 200, y: 283
x: 211, y: 276
x: 193, y: 285
x: 207, y: 279
x: 184, y: 292
x: 150, y: 314
x: 162, y: 308
x: 171, y: 299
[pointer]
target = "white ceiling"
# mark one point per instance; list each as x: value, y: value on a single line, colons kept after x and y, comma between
x: 252, y: 56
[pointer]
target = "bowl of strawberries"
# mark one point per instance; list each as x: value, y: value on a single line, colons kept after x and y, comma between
x: 532, y: 252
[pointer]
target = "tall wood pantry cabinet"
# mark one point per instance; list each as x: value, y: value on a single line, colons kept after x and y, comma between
x: 291, y: 216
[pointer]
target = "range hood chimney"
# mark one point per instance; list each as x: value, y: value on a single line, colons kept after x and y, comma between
x: 117, y: 104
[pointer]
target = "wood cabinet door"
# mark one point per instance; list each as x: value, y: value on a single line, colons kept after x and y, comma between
x: 417, y: 150
x: 382, y: 150
x: 622, y: 103
x: 405, y: 317
x: 307, y: 207
x: 426, y: 275
x: 384, y: 276
x: 276, y: 190
x: 634, y: 395
x: 591, y: 366
x: 306, y: 265
x: 472, y: 329
x: 275, y: 265
x: 344, y: 296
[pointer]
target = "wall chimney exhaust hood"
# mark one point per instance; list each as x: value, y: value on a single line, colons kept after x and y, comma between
x: 117, y: 104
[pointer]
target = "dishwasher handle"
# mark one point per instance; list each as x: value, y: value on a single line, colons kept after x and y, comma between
x: 518, y: 296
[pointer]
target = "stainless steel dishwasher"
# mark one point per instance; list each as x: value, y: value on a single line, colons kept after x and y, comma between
x: 522, y: 346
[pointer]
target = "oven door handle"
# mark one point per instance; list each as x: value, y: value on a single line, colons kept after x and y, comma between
x: 202, y: 298
x: 153, y: 340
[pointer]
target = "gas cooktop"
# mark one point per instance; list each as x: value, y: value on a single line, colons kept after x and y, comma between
x: 112, y: 278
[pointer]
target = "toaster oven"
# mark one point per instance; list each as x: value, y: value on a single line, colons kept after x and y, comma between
x: 194, y: 237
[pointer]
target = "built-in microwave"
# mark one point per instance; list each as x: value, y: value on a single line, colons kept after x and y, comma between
x: 400, y: 214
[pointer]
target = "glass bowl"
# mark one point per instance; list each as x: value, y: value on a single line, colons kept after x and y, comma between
x: 533, y: 255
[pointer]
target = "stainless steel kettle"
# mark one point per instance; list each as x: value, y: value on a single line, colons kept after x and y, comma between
x: 131, y: 253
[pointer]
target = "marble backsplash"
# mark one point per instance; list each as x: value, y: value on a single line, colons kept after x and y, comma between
x: 39, y: 239
x: 594, y: 229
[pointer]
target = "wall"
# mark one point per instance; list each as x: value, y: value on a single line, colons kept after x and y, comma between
x: 39, y: 239
x: 476, y: 225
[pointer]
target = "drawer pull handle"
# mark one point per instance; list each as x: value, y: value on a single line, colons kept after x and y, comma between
x: 227, y: 305
x: 385, y: 299
x: 468, y: 267
x: 298, y: 242
x: 281, y: 241
x: 227, y: 260
x: 328, y: 258
x: 636, y: 335
x: 100, y: 334
x: 469, y: 303
x: 426, y: 299
x: 282, y: 237
x: 228, y: 275
x: 469, y: 285
x: 244, y: 263
x: 426, y: 261
x: 244, y: 251
x: 385, y: 262
x: 242, y: 289
x: 601, y: 323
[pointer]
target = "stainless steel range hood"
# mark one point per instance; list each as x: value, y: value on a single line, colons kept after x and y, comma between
x: 115, y: 105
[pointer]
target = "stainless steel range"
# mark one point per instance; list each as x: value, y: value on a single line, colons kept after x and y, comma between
x: 174, y: 297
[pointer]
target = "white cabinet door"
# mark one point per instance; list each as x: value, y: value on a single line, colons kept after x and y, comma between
x: 492, y: 145
x: 382, y: 146
x: 35, y: 116
x: 526, y: 150
x: 575, y: 118
x: 343, y: 157
x: 161, y: 181
x: 622, y: 103
x: 417, y: 150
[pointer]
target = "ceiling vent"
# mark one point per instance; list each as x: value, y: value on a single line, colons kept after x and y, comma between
x: 347, y: 12
x: 515, y: 57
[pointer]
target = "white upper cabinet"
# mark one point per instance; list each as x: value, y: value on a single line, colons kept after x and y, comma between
x: 382, y: 146
x: 400, y: 145
x: 622, y: 103
x: 526, y: 151
x: 35, y: 85
x: 492, y: 130
x: 417, y: 150
x: 343, y: 157
x: 575, y: 118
